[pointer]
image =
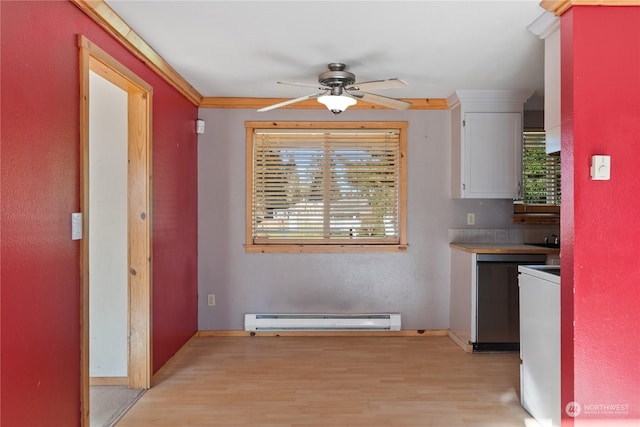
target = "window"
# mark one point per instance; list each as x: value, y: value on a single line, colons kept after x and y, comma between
x: 326, y: 186
x: 540, y: 176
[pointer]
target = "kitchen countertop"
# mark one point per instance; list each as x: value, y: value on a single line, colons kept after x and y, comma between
x: 503, y: 248
x: 550, y: 273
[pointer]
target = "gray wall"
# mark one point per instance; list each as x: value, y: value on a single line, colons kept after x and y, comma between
x: 415, y: 283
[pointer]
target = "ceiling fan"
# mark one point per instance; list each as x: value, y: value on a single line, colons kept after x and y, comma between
x: 339, y: 90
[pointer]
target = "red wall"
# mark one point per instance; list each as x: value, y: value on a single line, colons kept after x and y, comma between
x: 40, y: 293
x: 601, y: 219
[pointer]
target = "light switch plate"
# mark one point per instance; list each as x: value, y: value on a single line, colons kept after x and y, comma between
x: 200, y: 126
x: 76, y: 226
x: 600, y: 168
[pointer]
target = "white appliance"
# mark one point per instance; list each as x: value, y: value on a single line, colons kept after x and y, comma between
x: 540, y: 342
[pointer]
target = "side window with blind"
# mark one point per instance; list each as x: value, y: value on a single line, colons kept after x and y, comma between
x: 326, y: 186
x: 540, y: 177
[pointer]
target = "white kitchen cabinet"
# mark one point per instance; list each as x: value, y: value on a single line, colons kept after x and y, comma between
x: 486, y: 143
x: 552, y: 91
x: 491, y: 155
x: 462, y: 298
x: 547, y: 27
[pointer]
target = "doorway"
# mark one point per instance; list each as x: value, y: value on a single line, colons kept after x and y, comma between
x: 135, y: 224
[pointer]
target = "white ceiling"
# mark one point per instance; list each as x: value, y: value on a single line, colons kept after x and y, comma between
x: 241, y: 48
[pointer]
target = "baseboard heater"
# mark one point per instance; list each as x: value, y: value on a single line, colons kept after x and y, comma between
x: 322, y: 322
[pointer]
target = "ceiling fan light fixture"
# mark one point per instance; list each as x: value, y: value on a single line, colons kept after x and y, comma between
x: 337, y: 103
x: 335, y: 86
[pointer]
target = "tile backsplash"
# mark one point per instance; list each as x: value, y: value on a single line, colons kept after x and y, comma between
x: 502, y: 235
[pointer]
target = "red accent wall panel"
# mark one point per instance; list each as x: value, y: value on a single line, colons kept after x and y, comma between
x: 601, y: 271
x: 175, y: 227
x: 40, y: 293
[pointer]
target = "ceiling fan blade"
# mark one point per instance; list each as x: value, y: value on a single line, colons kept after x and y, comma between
x: 378, y: 84
x: 317, y: 86
x: 396, y: 104
x: 290, y: 101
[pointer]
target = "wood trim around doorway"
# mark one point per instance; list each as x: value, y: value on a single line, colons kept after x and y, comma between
x: 92, y: 58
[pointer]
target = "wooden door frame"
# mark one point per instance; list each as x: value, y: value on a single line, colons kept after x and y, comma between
x: 139, y: 95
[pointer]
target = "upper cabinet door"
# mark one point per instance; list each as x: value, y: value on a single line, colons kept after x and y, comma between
x: 486, y: 143
x: 547, y: 27
x: 492, y: 150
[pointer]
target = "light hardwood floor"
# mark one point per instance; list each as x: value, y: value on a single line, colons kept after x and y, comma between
x: 332, y: 381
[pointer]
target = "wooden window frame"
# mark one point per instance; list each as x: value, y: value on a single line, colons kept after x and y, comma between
x: 399, y: 246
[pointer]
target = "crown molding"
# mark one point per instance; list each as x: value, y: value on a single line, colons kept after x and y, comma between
x: 544, y: 25
x: 558, y: 7
x: 484, y: 97
x: 108, y: 19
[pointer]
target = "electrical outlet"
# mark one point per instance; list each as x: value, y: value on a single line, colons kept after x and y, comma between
x: 471, y: 219
x: 211, y: 299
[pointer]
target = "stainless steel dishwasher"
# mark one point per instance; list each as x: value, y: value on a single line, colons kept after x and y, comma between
x: 497, y: 300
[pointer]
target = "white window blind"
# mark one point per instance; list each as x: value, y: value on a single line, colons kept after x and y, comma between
x: 325, y: 186
x: 541, y: 171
